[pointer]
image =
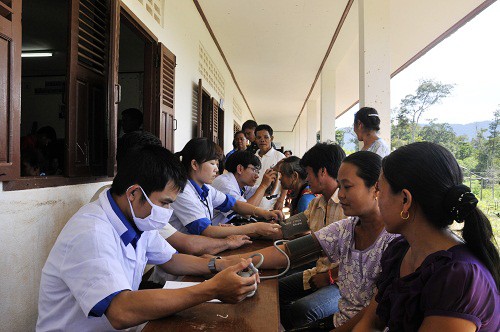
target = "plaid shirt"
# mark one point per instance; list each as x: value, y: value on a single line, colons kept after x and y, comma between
x: 321, y: 213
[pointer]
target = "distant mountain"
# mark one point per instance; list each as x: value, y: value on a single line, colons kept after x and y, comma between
x: 468, y: 129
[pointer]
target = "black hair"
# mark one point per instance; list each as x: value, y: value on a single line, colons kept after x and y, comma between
x: 264, y: 127
x: 135, y: 114
x: 430, y: 172
x: 243, y: 158
x: 34, y: 158
x: 234, y: 137
x: 325, y: 155
x: 237, y: 133
x: 200, y: 149
x: 292, y: 164
x: 48, y: 132
x: 152, y: 167
x: 134, y: 140
x: 249, y: 124
x: 368, y: 164
x: 288, y: 151
x: 368, y: 116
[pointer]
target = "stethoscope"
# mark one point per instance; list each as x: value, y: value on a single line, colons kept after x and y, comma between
x: 205, y: 203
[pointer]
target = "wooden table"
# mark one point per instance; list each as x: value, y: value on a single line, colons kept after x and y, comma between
x: 257, y: 313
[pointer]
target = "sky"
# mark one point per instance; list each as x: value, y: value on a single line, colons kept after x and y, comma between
x: 470, y: 59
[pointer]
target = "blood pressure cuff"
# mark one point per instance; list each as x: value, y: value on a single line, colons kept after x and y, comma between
x: 303, y: 250
x: 296, y: 224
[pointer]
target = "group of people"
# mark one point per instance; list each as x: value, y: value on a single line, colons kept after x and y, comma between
x: 374, y: 249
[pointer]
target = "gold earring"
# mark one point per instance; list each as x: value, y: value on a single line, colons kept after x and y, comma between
x: 407, y: 215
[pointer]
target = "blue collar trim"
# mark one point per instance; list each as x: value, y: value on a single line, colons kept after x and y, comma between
x: 202, y: 192
x: 131, y: 235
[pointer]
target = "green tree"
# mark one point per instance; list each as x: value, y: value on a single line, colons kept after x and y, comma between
x: 339, y: 136
x: 428, y: 93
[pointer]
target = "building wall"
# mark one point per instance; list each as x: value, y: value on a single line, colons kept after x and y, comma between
x: 31, y: 220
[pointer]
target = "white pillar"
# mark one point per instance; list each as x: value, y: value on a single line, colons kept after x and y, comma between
x: 311, y: 123
x: 303, y: 133
x: 296, y: 150
x: 328, y: 105
x: 374, y: 60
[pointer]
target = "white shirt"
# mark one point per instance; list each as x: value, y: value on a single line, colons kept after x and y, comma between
x: 269, y: 160
x: 89, y: 262
x: 227, y: 184
x: 196, y: 213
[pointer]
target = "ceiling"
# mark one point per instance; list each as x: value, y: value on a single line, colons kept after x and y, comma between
x: 276, y: 49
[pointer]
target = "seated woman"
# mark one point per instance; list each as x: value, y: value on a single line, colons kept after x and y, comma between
x: 293, y: 178
x: 193, y: 208
x: 431, y: 279
x: 356, y: 243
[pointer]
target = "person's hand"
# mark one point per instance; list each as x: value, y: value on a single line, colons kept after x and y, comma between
x: 269, y: 177
x: 279, y: 205
x: 236, y: 241
x: 230, y: 287
x: 276, y: 215
x: 319, y: 280
x: 266, y: 229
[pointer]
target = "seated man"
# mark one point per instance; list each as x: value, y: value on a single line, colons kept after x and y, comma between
x: 243, y: 171
x: 90, y: 279
x: 184, y: 243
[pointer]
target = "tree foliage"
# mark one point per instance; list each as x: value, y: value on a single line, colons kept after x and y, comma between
x: 480, y: 154
x: 413, y: 106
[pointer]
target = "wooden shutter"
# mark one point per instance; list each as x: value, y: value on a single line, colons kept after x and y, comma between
x: 10, y: 88
x: 221, y: 128
x: 236, y: 127
x: 166, y: 93
x: 199, y: 125
x: 88, y: 63
x: 114, y: 89
x: 214, y: 121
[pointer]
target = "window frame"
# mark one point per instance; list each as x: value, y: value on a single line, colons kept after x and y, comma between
x: 13, y: 180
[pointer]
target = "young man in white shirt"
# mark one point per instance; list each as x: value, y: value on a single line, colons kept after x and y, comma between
x: 243, y: 172
x: 90, y: 279
x: 269, y: 157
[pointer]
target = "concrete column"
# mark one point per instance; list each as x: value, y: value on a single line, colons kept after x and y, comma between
x: 296, y: 151
x: 303, y: 133
x: 311, y: 123
x: 327, y: 105
x: 374, y: 60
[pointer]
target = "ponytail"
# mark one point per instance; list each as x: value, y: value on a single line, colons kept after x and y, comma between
x: 478, y: 236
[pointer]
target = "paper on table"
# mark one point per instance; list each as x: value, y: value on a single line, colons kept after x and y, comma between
x: 183, y: 284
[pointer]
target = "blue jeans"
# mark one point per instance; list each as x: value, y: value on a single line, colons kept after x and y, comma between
x: 299, y: 307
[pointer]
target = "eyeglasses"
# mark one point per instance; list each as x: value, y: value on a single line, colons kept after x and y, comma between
x: 254, y: 169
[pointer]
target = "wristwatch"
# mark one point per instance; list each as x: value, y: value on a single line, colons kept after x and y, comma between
x: 211, y: 264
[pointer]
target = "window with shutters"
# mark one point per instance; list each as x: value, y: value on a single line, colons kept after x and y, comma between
x: 10, y: 68
x: 168, y: 124
x: 66, y: 131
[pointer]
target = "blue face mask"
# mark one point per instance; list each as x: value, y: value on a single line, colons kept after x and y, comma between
x: 158, y: 218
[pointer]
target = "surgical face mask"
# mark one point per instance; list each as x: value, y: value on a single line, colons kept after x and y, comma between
x: 158, y: 218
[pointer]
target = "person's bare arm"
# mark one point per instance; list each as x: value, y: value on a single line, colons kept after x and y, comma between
x: 200, y: 245
x: 280, y: 202
x: 254, y: 229
x: 268, y: 178
x: 131, y: 308
x: 369, y: 321
x: 273, y: 259
x: 349, y: 325
x: 447, y: 324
